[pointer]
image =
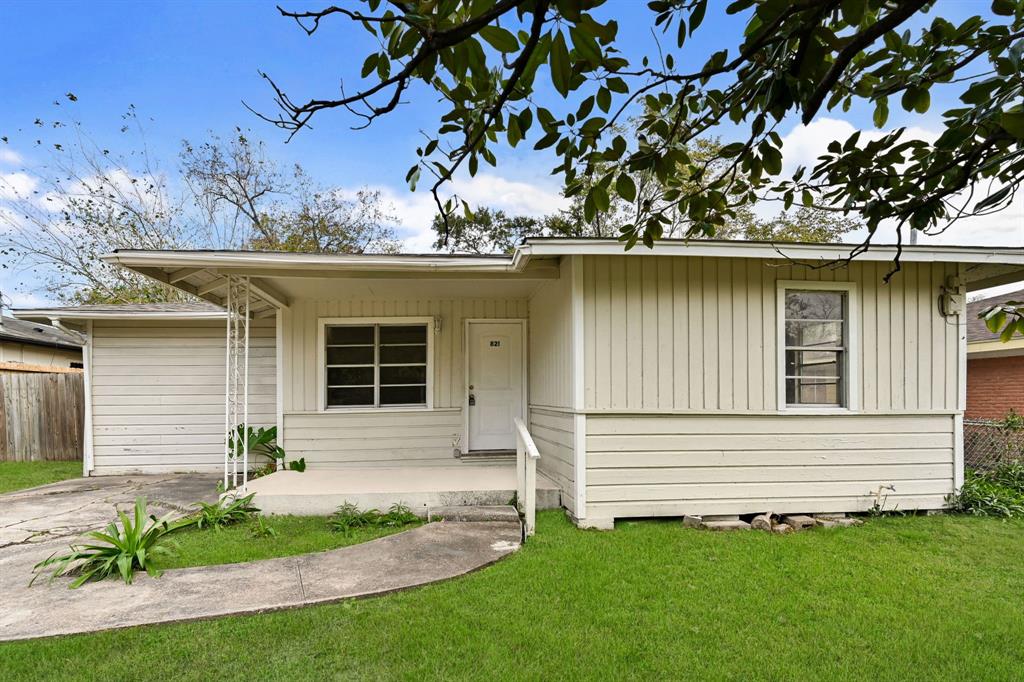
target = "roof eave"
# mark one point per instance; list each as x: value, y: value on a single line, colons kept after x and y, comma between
x: 50, y: 314
x: 794, y: 251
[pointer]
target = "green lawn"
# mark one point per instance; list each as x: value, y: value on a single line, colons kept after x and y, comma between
x: 295, y: 535
x: 896, y: 599
x: 19, y: 475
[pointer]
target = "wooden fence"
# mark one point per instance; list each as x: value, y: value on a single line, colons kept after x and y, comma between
x: 43, y: 416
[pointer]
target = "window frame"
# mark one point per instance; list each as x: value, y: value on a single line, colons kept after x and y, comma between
x: 324, y: 322
x: 850, y: 370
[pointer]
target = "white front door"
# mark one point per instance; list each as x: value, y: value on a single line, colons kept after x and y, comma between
x: 494, y: 384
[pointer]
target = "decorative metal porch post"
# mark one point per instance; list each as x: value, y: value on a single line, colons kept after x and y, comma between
x: 236, y: 381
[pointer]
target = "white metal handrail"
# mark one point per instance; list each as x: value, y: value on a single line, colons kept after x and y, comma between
x: 526, y: 474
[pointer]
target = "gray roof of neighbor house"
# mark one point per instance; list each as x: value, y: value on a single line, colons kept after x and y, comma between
x: 124, y: 310
x: 976, y: 329
x: 23, y: 331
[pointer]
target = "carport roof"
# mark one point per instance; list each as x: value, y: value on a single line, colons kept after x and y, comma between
x: 157, y: 311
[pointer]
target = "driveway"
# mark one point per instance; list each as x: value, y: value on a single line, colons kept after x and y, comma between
x: 55, y: 513
x: 37, y: 522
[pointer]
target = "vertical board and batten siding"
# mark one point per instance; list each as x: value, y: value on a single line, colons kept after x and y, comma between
x: 681, y: 393
x: 158, y: 393
x: 380, y: 437
x: 699, y: 334
x: 550, y: 357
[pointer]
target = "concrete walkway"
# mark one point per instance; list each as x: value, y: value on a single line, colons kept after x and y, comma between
x: 437, y: 551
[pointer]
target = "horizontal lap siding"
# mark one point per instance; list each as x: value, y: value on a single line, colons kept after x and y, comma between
x: 158, y: 393
x: 374, y: 438
x: 672, y: 465
x: 31, y: 354
x: 552, y: 432
x: 699, y: 334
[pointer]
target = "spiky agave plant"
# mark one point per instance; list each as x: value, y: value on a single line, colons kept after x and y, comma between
x: 118, y: 549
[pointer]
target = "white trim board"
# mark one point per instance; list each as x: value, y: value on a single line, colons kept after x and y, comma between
x: 321, y: 357
x: 851, y: 377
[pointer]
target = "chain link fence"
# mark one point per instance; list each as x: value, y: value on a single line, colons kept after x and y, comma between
x: 988, y: 443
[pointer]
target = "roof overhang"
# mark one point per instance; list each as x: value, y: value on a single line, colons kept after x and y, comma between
x: 44, y: 314
x: 205, y: 273
x: 995, y: 348
x: 986, y: 266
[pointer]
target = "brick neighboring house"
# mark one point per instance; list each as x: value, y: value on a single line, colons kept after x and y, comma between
x: 995, y: 370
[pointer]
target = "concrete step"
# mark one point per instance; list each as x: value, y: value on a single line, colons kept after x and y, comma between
x: 477, y: 456
x: 473, y: 513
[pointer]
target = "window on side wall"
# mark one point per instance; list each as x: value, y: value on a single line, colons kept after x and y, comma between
x: 376, y: 365
x: 816, y: 336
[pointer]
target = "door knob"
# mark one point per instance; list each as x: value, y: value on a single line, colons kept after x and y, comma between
x: 472, y: 400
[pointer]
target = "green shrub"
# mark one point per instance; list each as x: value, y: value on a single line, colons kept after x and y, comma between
x: 120, y: 550
x: 223, y: 513
x: 398, y: 515
x: 994, y: 492
x: 262, y: 529
x: 348, y: 517
x: 262, y: 441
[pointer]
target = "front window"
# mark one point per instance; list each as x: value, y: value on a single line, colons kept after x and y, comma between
x: 816, y: 347
x: 375, y: 365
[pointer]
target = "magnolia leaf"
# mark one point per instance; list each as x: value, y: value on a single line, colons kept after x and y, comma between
x: 1013, y: 123
x: 561, y: 68
x: 500, y: 39
x: 625, y: 187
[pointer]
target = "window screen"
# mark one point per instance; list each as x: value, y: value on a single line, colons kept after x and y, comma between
x: 376, y: 365
x: 815, y: 347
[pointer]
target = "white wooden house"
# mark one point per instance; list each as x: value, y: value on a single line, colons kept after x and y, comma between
x: 700, y: 377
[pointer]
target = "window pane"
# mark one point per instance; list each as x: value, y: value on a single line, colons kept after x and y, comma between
x: 404, y: 334
x: 349, y: 335
x: 397, y: 355
x: 350, y: 376
x: 812, y: 363
x: 811, y: 333
x: 350, y: 355
x: 814, y: 305
x: 812, y: 392
x: 403, y: 395
x: 348, y: 397
x: 403, y: 375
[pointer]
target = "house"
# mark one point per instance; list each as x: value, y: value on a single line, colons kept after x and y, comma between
x: 995, y: 370
x: 27, y: 346
x: 701, y: 377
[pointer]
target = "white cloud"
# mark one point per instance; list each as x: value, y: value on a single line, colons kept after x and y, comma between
x: 10, y: 157
x: 18, y: 185
x: 803, y: 144
x: 416, y: 210
x: 22, y: 299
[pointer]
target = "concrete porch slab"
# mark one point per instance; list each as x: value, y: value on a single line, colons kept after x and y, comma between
x: 318, y: 492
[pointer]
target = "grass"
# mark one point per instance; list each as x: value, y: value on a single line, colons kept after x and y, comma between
x: 295, y: 535
x: 20, y: 475
x: 897, y: 599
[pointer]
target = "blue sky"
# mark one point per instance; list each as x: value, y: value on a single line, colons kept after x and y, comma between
x: 189, y: 65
